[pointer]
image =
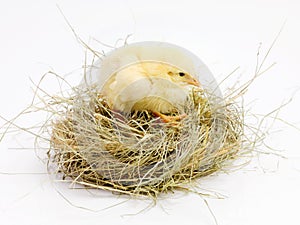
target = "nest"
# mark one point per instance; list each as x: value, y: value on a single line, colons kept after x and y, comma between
x: 139, y: 154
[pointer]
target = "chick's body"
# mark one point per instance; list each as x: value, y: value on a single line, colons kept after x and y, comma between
x: 153, y: 86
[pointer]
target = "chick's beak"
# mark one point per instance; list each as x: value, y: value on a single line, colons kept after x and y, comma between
x: 194, y: 82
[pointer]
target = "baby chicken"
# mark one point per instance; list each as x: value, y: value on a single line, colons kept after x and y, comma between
x: 154, y: 86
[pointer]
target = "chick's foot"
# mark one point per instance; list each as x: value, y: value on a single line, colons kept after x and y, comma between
x: 169, y: 119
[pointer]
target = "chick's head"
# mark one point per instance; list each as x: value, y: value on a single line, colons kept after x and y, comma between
x: 176, y: 75
x: 183, y: 78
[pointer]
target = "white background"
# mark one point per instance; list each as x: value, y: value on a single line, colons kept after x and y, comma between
x: 224, y: 34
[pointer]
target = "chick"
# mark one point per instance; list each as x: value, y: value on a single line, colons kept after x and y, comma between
x: 153, y: 86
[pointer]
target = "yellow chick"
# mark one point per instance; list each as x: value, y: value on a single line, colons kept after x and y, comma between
x: 153, y: 86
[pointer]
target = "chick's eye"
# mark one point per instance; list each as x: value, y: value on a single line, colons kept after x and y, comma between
x: 181, y: 74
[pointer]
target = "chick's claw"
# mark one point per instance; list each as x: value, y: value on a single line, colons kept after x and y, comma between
x: 169, y: 119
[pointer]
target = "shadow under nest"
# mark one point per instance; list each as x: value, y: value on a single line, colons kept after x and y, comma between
x: 139, y: 154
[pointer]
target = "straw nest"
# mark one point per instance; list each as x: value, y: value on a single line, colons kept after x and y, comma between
x: 138, y: 154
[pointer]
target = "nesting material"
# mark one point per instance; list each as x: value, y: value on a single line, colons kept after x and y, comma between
x: 139, y: 154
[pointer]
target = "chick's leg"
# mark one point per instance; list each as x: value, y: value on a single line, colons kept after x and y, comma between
x: 168, y: 119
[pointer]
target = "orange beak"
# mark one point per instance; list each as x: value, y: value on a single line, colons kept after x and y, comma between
x: 194, y: 82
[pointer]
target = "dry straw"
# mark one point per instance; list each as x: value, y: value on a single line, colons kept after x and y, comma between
x: 139, y: 154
